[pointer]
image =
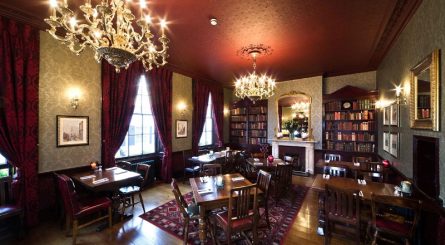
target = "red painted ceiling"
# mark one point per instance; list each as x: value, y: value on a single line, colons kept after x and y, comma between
x: 316, y: 37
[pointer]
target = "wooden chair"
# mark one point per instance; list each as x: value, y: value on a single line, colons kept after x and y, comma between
x: 335, y: 171
x: 239, y: 216
x: 230, y: 162
x: 125, y: 165
x: 76, y: 209
x: 294, y: 161
x: 8, y: 209
x: 372, y: 171
x: 126, y: 194
x: 190, y: 167
x: 394, y: 218
x: 282, y: 181
x: 332, y: 157
x: 189, y: 212
x: 341, y: 208
x: 263, y: 182
x: 211, y: 169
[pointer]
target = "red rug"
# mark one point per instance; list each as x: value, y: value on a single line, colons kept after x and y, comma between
x: 281, y: 217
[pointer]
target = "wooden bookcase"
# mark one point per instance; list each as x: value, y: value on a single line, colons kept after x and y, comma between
x: 248, y: 122
x: 350, y: 123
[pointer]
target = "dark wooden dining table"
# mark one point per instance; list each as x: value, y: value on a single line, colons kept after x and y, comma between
x: 262, y: 163
x: 215, y: 198
x: 370, y: 187
x: 114, y: 177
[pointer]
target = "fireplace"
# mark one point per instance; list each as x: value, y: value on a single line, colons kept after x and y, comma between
x: 426, y: 165
x: 304, y: 149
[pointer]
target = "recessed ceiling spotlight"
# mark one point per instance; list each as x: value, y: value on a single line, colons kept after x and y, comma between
x: 213, y: 21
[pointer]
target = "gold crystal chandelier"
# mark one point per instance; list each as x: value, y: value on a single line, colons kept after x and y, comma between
x: 109, y: 30
x: 254, y: 86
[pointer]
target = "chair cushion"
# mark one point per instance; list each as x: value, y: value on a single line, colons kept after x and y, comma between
x: 239, y: 224
x: 129, y: 189
x: 9, y: 210
x: 90, y: 206
x: 386, y: 224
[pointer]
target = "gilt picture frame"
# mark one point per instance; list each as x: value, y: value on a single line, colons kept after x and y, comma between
x: 72, y: 130
x: 181, y: 128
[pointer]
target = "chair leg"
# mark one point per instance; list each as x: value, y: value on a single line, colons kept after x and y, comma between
x: 186, y: 230
x: 132, y: 200
x: 123, y: 209
x: 141, y: 201
x: 75, y: 227
x: 228, y: 236
x: 110, y: 217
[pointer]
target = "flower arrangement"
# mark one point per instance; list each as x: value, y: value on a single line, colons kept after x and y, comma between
x: 291, y: 125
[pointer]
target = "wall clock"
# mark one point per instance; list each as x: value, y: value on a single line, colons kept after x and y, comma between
x: 346, y: 105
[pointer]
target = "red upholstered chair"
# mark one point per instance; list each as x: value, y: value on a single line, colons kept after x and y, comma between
x: 394, y: 219
x: 8, y: 210
x: 239, y: 216
x: 76, y: 208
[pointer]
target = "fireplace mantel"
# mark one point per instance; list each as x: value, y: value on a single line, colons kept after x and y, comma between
x: 309, y: 150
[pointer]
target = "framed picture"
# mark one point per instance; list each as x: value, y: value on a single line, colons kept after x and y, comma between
x: 386, y: 115
x: 394, y: 144
x: 181, y: 128
x: 72, y: 130
x: 394, y: 115
x: 386, y: 141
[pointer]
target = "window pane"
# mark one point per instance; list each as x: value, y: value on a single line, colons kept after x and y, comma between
x: 146, y: 108
x: 136, y: 122
x: 123, y: 150
x: 2, y: 160
x: 206, y: 137
x: 149, y: 143
x: 136, y: 147
x: 4, y: 172
x: 137, y: 105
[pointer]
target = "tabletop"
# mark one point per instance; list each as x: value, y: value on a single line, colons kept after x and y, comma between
x: 208, y: 158
x: 210, y: 193
x: 110, y: 179
x: 349, y: 183
x: 262, y: 162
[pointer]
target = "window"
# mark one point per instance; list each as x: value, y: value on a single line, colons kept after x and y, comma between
x: 207, y: 133
x: 4, y: 167
x: 140, y: 138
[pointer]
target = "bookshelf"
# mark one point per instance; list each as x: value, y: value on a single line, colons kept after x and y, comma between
x: 248, y: 123
x: 350, y: 122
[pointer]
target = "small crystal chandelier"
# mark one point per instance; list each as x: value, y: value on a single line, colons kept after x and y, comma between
x: 254, y: 86
x: 108, y: 30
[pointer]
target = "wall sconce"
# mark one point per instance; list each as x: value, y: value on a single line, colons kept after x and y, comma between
x: 74, y: 94
x: 226, y: 111
x: 182, y: 107
x: 400, y: 95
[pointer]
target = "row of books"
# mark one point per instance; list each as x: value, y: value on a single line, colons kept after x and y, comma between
x: 257, y: 117
x: 238, y: 133
x: 350, y: 146
x: 364, y: 104
x: 341, y: 115
x: 258, y: 133
x: 258, y: 125
x: 423, y: 101
x: 256, y: 141
x: 239, y: 111
x: 363, y: 126
x: 238, y: 125
x: 350, y: 136
x: 239, y: 118
x: 258, y: 110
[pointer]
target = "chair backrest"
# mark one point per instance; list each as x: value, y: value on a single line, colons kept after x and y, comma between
x: 335, y: 171
x: 125, y: 165
x: 332, y: 157
x: 230, y: 157
x: 241, y: 200
x: 263, y: 182
x: 257, y: 155
x: 186, y: 155
x: 144, y: 170
x: 6, y: 191
x: 68, y: 193
x: 361, y: 159
x: 211, y: 169
x: 283, y: 175
x: 180, y: 202
x: 344, y: 203
x: 390, y: 207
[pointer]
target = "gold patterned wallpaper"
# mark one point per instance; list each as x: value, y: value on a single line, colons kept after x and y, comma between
x: 60, y: 71
x: 182, y: 93
x: 313, y: 86
x: 364, y: 80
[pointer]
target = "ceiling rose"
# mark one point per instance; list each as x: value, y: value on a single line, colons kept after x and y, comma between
x: 108, y: 28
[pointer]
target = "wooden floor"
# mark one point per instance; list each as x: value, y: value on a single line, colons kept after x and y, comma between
x: 138, y: 231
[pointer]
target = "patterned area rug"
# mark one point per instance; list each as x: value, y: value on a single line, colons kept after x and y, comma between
x: 281, y: 217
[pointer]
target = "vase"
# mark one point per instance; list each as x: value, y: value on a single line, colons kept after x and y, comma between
x: 291, y: 135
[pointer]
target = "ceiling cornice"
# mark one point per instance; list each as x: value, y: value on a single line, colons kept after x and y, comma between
x: 19, y: 15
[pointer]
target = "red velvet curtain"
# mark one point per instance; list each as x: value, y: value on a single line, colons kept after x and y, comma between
x: 160, y: 89
x: 218, y: 113
x: 201, y: 92
x: 119, y: 92
x: 19, y: 89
